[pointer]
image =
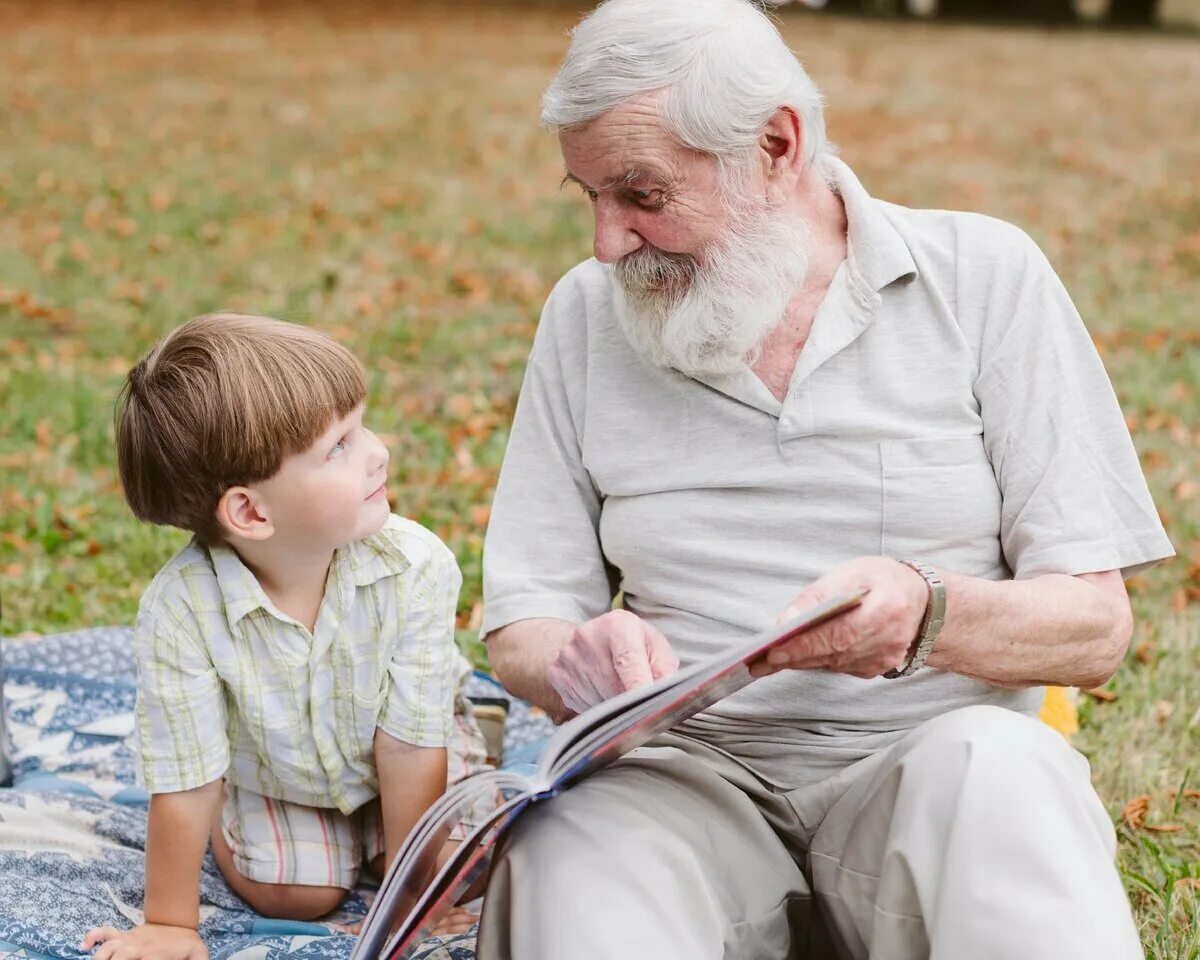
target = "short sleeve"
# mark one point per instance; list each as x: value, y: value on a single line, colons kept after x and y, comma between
x: 181, y: 718
x: 426, y: 667
x: 542, y: 556
x: 1074, y: 496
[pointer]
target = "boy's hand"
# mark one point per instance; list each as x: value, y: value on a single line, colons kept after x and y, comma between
x: 150, y: 941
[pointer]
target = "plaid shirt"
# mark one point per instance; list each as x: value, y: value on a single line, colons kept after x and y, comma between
x: 230, y: 685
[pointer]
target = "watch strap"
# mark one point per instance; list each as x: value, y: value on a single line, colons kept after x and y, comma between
x: 931, y: 625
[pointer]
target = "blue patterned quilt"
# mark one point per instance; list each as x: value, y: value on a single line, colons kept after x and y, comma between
x: 73, y: 828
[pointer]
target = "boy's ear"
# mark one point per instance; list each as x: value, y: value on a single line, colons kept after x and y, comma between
x: 241, y: 512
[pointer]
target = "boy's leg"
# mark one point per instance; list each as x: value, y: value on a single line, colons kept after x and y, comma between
x: 286, y: 860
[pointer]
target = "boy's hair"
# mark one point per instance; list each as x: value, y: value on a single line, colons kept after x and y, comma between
x: 220, y: 402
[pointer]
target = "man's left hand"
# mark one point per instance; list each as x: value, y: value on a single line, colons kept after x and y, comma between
x: 864, y: 642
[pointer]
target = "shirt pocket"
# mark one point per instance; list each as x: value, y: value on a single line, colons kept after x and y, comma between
x: 941, y: 503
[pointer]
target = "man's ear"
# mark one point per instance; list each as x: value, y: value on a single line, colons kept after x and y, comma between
x: 781, y: 148
x: 241, y: 512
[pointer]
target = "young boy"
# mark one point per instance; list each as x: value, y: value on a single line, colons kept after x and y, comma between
x: 299, y: 688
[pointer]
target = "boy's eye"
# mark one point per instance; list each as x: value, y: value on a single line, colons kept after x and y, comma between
x: 337, y: 448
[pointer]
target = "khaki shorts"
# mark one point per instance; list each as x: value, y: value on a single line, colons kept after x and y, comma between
x: 276, y: 841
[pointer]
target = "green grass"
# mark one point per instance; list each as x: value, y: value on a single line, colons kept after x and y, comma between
x: 381, y: 174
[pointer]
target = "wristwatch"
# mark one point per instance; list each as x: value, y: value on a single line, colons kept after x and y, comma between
x: 931, y: 626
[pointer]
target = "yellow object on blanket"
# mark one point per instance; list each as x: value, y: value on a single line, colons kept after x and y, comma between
x: 1059, y: 711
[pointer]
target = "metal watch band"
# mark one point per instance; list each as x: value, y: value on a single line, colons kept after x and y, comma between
x: 931, y: 626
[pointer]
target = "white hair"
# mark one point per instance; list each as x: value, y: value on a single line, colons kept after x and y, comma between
x: 719, y: 69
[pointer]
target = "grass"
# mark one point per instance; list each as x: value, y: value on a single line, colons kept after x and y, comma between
x: 380, y: 173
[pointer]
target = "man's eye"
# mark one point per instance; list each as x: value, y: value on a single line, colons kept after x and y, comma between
x: 592, y: 195
x: 647, y: 198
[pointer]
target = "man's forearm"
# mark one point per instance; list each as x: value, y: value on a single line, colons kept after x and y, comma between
x: 522, y: 652
x: 1057, y: 629
x: 176, y: 838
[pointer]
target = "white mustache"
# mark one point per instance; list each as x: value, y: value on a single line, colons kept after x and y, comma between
x: 649, y: 269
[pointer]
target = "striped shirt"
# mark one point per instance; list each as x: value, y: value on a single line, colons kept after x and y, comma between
x: 230, y: 685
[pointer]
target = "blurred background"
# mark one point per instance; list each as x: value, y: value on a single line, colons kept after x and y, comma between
x: 377, y: 170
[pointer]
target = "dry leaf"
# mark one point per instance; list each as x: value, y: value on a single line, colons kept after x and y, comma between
x: 1099, y: 693
x: 1144, y: 652
x: 1134, y: 812
x: 1186, y: 489
x: 1163, y: 710
x: 1162, y: 827
x: 480, y: 514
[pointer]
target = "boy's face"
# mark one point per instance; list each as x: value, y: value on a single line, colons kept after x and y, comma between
x: 334, y: 492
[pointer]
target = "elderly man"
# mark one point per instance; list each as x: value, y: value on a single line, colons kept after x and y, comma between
x: 767, y: 388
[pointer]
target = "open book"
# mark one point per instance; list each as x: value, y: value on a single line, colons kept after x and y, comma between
x: 414, y: 894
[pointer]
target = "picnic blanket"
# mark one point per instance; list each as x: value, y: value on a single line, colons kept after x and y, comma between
x: 73, y: 827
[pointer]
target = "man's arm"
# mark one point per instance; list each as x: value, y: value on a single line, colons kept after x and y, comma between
x: 1069, y: 631
x: 521, y: 654
x: 176, y: 837
x: 565, y: 668
x: 1058, y: 629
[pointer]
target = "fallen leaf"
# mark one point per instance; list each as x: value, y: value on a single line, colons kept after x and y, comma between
x: 480, y: 514
x: 1162, y: 827
x: 1099, y: 693
x: 1134, y: 812
x: 1144, y: 652
x: 1163, y: 710
x: 1186, y: 489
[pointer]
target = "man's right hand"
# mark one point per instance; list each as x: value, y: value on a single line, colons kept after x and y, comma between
x: 615, y: 652
x: 150, y: 941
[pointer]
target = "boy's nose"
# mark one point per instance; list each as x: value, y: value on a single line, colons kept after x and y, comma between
x: 379, y: 456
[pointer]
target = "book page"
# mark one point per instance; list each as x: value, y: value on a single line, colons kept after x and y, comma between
x: 415, y: 869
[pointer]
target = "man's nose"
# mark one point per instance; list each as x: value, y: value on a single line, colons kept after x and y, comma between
x: 614, y: 236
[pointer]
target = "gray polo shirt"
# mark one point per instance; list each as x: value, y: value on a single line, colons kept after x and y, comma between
x: 948, y: 406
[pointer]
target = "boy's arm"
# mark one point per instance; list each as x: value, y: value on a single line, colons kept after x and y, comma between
x: 176, y: 838
x: 410, y: 780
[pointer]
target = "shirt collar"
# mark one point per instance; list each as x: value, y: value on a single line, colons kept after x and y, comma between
x: 877, y: 254
x: 360, y: 563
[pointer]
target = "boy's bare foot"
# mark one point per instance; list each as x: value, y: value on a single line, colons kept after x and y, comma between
x: 458, y: 920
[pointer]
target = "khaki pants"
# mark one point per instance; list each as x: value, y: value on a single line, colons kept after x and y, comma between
x: 975, y: 836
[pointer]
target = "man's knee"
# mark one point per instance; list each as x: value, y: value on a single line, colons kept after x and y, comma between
x: 993, y: 740
x: 988, y: 727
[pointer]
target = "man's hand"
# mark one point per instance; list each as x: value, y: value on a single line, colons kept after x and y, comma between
x: 608, y: 655
x: 150, y: 941
x: 865, y: 642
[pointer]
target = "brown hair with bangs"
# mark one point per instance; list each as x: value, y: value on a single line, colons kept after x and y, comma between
x: 219, y: 403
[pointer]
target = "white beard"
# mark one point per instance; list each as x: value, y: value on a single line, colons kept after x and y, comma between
x: 711, y: 318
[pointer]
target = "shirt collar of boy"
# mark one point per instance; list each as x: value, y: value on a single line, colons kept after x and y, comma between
x: 360, y: 563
